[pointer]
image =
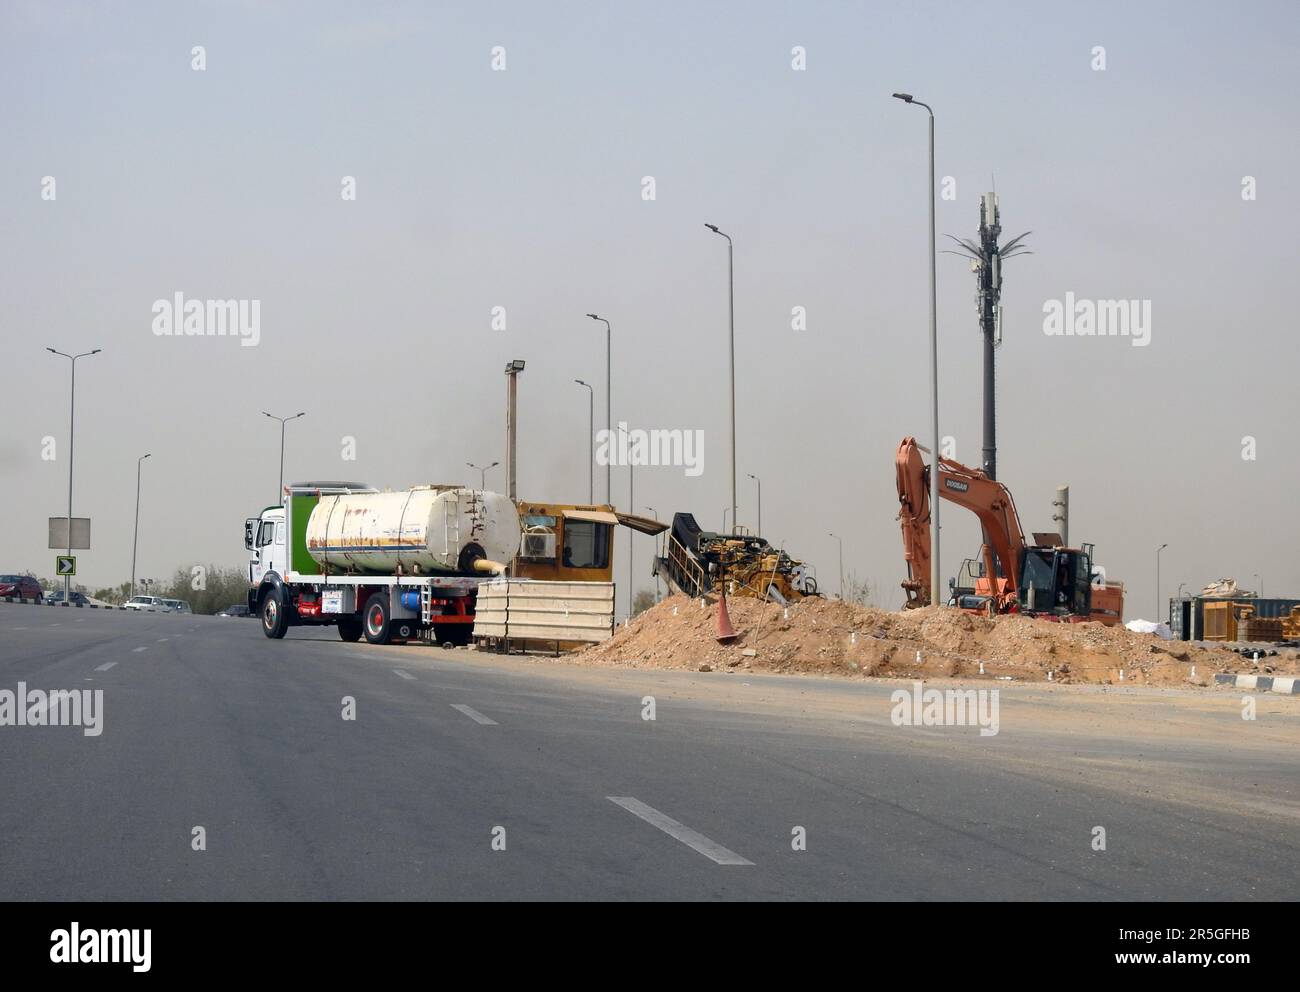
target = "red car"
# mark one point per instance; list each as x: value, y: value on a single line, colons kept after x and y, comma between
x: 20, y: 587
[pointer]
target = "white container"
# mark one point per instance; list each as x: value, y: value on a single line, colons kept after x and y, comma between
x: 421, y: 531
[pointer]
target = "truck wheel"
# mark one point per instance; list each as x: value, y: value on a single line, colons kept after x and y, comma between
x: 376, y: 618
x: 350, y: 628
x: 274, y: 621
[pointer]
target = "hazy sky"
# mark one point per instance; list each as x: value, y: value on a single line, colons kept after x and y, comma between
x: 523, y: 189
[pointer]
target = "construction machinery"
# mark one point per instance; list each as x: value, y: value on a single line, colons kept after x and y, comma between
x: 697, y: 561
x: 1043, y: 579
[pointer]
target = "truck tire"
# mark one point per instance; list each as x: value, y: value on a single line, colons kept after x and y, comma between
x: 376, y: 620
x: 350, y: 628
x: 274, y: 620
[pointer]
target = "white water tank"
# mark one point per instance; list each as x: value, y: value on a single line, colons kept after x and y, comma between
x: 420, y: 531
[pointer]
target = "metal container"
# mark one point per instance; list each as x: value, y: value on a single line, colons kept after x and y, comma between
x: 420, y: 531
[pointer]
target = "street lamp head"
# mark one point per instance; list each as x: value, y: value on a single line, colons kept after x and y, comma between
x: 51, y: 351
x: 494, y: 465
x: 1162, y: 547
x: 581, y: 383
x: 593, y: 316
x: 713, y: 228
x: 143, y: 457
x: 297, y: 415
x: 514, y: 366
x: 905, y: 97
x: 97, y: 351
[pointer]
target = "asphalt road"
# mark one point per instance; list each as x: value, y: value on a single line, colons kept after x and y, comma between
x: 208, y: 724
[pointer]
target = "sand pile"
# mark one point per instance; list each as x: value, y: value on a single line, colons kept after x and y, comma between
x: 833, y: 637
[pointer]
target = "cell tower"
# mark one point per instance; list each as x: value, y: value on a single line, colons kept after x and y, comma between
x: 986, y: 257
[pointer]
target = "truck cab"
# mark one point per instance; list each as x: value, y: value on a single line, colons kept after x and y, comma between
x: 265, y: 542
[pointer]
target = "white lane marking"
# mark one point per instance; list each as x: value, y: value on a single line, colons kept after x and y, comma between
x: 162, y: 640
x: 405, y: 675
x: 695, y: 841
x: 474, y: 714
x: 106, y: 666
x: 138, y: 650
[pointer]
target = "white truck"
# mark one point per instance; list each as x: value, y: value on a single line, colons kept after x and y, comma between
x: 389, y: 565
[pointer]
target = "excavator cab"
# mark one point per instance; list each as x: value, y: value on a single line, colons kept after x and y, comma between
x: 1055, y: 581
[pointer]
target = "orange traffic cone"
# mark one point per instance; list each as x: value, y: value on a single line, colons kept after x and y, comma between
x: 726, y: 632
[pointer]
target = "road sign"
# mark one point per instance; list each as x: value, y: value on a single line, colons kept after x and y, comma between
x: 65, y: 565
x: 80, y: 533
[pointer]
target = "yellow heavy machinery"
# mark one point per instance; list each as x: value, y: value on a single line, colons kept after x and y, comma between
x: 696, y: 561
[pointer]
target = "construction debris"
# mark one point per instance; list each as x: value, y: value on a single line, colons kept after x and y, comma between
x: 833, y: 637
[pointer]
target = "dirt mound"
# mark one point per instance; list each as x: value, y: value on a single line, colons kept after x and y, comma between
x: 833, y: 637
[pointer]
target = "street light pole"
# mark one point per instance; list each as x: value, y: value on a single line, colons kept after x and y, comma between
x: 731, y: 351
x: 482, y: 471
x: 725, y: 511
x: 631, y: 508
x: 591, y: 441
x: 841, y: 540
x: 72, y: 415
x: 283, y: 421
x: 760, y: 501
x: 1158, y: 550
x: 135, y: 541
x: 934, y: 372
x: 609, y: 420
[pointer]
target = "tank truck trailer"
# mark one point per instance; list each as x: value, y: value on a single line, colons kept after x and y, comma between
x: 389, y: 565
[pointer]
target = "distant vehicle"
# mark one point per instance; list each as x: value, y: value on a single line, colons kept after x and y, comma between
x: 176, y: 606
x: 149, y: 604
x: 236, y: 610
x: 20, y: 587
x: 76, y: 599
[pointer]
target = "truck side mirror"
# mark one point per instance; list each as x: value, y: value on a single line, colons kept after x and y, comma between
x: 250, y: 531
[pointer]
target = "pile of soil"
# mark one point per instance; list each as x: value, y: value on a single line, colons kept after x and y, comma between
x: 830, y: 637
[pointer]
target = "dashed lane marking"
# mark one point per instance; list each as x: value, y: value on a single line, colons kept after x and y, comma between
x: 695, y: 841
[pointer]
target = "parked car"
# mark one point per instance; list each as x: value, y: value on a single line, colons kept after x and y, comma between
x: 177, y: 606
x: 235, y: 610
x: 149, y: 604
x: 20, y: 587
x: 76, y: 598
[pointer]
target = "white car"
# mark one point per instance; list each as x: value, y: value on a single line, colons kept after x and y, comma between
x: 150, y: 604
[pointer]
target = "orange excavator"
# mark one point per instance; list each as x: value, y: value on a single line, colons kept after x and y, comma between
x: 1012, y: 576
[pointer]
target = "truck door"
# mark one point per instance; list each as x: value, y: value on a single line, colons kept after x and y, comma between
x: 264, y: 550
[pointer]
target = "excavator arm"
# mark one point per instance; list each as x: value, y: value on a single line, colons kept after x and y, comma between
x: 989, y: 500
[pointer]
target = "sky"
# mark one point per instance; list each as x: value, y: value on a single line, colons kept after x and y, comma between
x: 499, y: 154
